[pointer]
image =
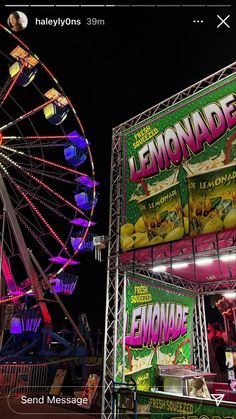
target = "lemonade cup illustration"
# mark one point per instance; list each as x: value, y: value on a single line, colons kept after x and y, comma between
x: 162, y: 215
x: 212, y: 200
x: 142, y: 377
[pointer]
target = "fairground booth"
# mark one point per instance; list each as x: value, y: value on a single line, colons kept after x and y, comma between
x: 171, y: 252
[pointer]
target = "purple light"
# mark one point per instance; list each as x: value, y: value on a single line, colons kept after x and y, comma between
x: 78, y: 139
x: 25, y: 321
x: 87, y: 245
x: 15, y: 326
x: 16, y: 292
x: 74, y: 155
x: 64, y: 284
x: 75, y: 241
x: 31, y: 324
x: 86, y: 181
x: 62, y: 261
x: 84, y: 200
x: 82, y: 222
x: 56, y: 283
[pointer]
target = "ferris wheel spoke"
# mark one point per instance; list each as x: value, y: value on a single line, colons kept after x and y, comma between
x: 50, y: 199
x: 21, y: 205
x: 12, y: 85
x: 36, y: 237
x: 42, y: 146
x: 37, y: 227
x: 26, y: 115
x: 14, y: 196
x: 55, y: 177
x: 43, y: 184
x: 47, y: 205
x: 5, y: 55
x: 5, y: 244
x: 22, y: 109
x: 4, y: 88
x: 25, y: 184
x: 50, y: 163
x: 41, y: 137
x: 38, y: 213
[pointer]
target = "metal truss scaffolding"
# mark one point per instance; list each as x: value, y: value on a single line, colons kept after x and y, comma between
x: 200, y: 346
x: 116, y: 273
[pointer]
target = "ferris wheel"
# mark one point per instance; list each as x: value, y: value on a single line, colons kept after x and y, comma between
x: 47, y: 178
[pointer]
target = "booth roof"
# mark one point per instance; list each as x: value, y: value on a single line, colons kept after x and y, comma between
x: 213, y: 247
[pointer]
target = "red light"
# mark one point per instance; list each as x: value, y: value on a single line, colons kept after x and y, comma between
x: 12, y: 85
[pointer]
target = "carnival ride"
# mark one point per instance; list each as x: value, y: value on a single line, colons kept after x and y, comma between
x: 47, y: 202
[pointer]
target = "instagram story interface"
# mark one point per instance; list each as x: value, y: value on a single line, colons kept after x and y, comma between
x: 118, y: 210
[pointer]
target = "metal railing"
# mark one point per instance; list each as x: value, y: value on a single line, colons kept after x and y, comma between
x: 19, y: 378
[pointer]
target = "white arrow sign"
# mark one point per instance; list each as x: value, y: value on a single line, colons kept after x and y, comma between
x: 218, y: 398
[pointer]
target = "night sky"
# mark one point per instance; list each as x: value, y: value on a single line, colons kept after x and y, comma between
x: 115, y: 70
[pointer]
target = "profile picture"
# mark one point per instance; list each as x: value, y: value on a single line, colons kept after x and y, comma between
x: 17, y: 21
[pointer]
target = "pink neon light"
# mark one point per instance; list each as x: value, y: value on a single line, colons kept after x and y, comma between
x: 11, y: 284
x: 59, y: 166
x: 68, y: 169
x: 54, y: 193
x: 61, y: 260
x: 42, y: 218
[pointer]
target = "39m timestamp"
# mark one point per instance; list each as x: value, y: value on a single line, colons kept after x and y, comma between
x: 94, y: 21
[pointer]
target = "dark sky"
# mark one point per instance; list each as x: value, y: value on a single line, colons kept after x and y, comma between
x: 113, y: 71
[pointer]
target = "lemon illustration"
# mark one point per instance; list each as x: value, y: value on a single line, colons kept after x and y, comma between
x: 127, y: 229
x: 186, y: 210
x: 186, y: 225
x: 213, y: 225
x: 140, y: 240
x: 126, y: 242
x: 156, y: 240
x: 230, y: 219
x: 175, y: 234
x: 140, y: 226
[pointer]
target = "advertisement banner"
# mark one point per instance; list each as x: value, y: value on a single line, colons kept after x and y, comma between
x: 179, y: 169
x: 158, y: 330
x: 169, y: 407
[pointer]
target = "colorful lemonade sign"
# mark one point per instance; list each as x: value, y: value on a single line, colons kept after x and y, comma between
x: 170, y: 407
x: 157, y: 154
x: 158, y: 330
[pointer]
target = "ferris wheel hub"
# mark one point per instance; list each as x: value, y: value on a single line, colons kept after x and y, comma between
x: 1, y: 137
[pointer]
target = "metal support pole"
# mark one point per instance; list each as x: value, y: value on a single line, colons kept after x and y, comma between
x: 2, y: 287
x: 1, y: 248
x: 64, y: 309
x: 124, y: 327
x: 196, y: 339
x: 113, y: 281
x: 204, y: 360
x: 23, y: 252
x: 226, y: 330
